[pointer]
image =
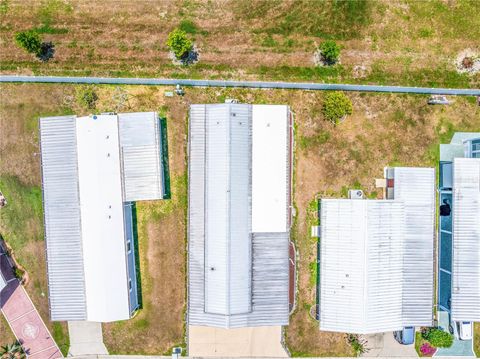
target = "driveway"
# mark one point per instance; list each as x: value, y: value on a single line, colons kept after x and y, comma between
x: 23, y: 318
x: 385, y: 345
x: 242, y: 342
x: 86, y: 338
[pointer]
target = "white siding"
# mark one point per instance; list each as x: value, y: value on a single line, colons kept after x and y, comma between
x: 466, y: 240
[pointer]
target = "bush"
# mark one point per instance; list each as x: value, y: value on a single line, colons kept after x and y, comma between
x: 188, y: 26
x: 46, y: 51
x: 29, y: 40
x: 427, y: 349
x: 336, y: 105
x: 179, y: 43
x: 87, y: 97
x: 330, y: 52
x: 437, y: 337
x: 358, y: 345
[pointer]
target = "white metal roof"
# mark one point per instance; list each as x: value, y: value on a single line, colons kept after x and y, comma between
x: 140, y: 142
x: 236, y: 277
x: 416, y: 188
x: 88, y: 172
x: 361, y: 265
x: 61, y: 210
x: 101, y: 205
x: 269, y: 168
x: 466, y: 240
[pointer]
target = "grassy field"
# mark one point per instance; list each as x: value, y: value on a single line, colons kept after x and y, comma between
x: 383, y: 130
x: 395, y: 42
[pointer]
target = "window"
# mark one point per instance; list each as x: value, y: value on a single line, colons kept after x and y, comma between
x: 129, y: 285
x: 129, y: 247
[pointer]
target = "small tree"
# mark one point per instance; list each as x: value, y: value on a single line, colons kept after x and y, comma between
x: 179, y: 43
x: 29, y: 40
x: 336, y: 105
x: 330, y: 52
x: 437, y: 337
x: 87, y: 97
x: 46, y: 51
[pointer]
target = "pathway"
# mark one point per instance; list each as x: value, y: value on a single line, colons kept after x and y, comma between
x: 23, y: 317
x: 242, y: 84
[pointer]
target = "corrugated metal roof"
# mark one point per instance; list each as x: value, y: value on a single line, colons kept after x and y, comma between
x: 416, y: 188
x: 227, y: 210
x: 361, y: 265
x: 140, y: 143
x: 466, y: 240
x: 132, y: 143
x: 249, y: 283
x: 62, y: 218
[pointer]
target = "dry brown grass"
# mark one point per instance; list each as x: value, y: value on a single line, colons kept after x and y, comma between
x: 384, y: 129
x: 236, y: 38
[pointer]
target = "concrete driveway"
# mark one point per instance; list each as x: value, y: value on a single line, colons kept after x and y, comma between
x: 242, y: 342
x: 385, y: 345
x: 86, y: 338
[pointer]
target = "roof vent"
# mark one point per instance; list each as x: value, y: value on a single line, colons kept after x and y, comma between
x: 355, y: 194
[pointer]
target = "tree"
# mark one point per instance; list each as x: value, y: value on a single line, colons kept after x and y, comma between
x: 437, y: 337
x: 330, y: 52
x: 336, y: 105
x: 29, y: 40
x: 46, y: 51
x: 13, y: 351
x: 179, y: 43
x: 87, y: 97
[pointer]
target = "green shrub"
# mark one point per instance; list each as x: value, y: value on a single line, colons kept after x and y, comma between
x: 179, y: 43
x: 87, y: 97
x: 188, y: 26
x: 336, y: 105
x: 330, y: 51
x: 29, y: 40
x: 437, y: 337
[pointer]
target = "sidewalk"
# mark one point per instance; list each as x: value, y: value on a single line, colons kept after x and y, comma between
x: 23, y: 318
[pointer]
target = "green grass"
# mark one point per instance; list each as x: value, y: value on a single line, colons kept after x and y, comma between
x: 21, y: 220
x: 60, y: 334
x: 336, y: 19
x: 308, y: 142
x: 476, y: 339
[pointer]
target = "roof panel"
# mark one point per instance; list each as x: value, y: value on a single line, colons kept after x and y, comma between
x: 466, y: 240
x: 140, y: 143
x: 62, y: 218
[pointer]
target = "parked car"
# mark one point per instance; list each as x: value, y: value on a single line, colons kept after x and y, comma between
x: 406, y: 336
x: 465, y: 330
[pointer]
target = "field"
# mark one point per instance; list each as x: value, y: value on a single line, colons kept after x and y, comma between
x: 394, y: 42
x: 383, y: 130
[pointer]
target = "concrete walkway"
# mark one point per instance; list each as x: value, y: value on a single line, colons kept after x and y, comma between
x: 239, y: 84
x: 86, y: 338
x: 23, y: 318
x: 241, y: 342
x: 385, y: 345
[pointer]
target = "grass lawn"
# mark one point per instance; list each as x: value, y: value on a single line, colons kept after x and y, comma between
x: 476, y: 339
x: 383, y: 130
x: 409, y: 42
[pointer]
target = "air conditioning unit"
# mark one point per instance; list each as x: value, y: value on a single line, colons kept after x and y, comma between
x: 356, y: 194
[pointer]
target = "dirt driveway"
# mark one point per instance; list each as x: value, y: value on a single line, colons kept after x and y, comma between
x: 242, y: 342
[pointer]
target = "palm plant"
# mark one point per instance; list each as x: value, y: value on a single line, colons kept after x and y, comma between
x: 13, y: 351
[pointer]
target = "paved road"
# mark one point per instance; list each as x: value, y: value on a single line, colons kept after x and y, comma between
x: 241, y: 84
x: 23, y: 318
